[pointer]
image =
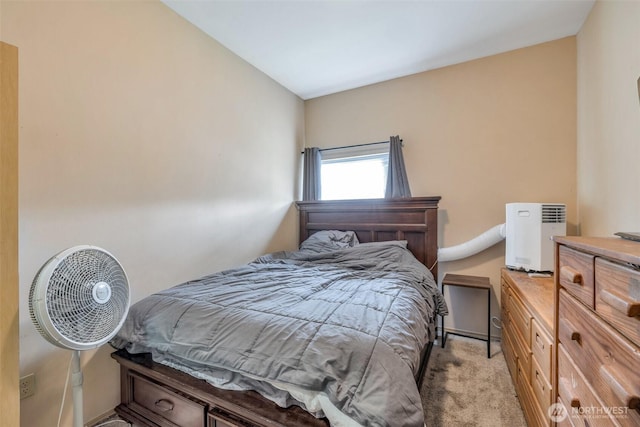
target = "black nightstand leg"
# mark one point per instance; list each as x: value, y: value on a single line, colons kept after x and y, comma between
x: 489, y: 324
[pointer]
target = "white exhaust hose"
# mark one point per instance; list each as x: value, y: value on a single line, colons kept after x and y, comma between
x: 473, y: 246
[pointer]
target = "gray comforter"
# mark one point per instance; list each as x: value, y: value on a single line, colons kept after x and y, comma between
x: 348, y: 323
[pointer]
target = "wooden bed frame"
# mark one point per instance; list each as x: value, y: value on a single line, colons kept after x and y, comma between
x: 156, y: 395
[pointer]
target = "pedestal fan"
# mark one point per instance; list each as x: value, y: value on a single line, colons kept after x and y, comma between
x: 78, y: 300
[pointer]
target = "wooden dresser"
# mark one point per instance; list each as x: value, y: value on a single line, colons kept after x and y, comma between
x: 527, y: 341
x: 598, y: 331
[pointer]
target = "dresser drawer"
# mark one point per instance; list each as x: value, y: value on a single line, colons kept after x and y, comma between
x: 504, y: 299
x: 562, y: 420
x: 535, y: 415
x: 581, y: 402
x: 520, y: 318
x: 165, y: 407
x: 221, y: 418
x: 509, y: 353
x: 541, y: 385
x: 521, y: 349
x: 575, y: 274
x: 541, y: 346
x: 607, y: 361
x: 618, y: 297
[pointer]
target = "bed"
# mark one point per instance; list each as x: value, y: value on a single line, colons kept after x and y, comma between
x: 336, y: 333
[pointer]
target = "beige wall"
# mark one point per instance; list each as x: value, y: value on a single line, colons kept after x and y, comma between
x: 480, y: 134
x: 609, y: 119
x: 140, y: 134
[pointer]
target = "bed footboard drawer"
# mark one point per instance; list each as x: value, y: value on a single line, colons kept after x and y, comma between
x: 164, y: 406
x: 220, y: 418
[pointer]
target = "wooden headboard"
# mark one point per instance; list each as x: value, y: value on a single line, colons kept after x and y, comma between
x: 373, y: 220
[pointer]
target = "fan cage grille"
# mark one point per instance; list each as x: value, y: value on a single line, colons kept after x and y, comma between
x: 70, y: 304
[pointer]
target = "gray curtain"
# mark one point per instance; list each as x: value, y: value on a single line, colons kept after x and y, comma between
x: 397, y: 182
x: 311, y: 174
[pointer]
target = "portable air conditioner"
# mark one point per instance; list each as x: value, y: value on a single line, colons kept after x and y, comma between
x: 529, y: 231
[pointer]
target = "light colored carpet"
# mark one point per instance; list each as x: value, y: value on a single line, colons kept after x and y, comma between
x: 467, y: 388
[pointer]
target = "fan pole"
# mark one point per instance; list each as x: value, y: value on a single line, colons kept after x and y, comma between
x: 76, y: 381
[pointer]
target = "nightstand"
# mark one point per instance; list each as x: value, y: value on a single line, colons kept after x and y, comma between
x: 473, y: 282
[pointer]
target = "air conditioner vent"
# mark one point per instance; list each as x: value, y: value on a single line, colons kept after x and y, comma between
x: 555, y: 214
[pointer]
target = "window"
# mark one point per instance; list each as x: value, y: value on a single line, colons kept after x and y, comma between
x: 354, y: 173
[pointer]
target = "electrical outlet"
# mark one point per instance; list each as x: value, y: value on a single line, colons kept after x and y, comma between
x: 27, y: 386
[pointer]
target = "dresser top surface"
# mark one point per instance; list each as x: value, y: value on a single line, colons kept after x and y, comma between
x: 611, y: 247
x: 536, y: 293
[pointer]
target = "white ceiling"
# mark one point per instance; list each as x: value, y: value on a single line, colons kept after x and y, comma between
x: 319, y: 47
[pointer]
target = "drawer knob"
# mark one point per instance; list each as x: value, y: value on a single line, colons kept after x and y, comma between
x: 164, y: 405
x: 627, y: 306
x: 566, y: 390
x: 628, y: 394
x: 568, y: 274
x: 573, y: 333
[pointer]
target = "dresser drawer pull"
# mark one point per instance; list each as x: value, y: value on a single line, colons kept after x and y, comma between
x: 540, y: 381
x: 574, y: 402
x: 539, y: 341
x: 570, y: 275
x: 620, y: 388
x: 575, y: 335
x: 164, y: 405
x: 628, y: 306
